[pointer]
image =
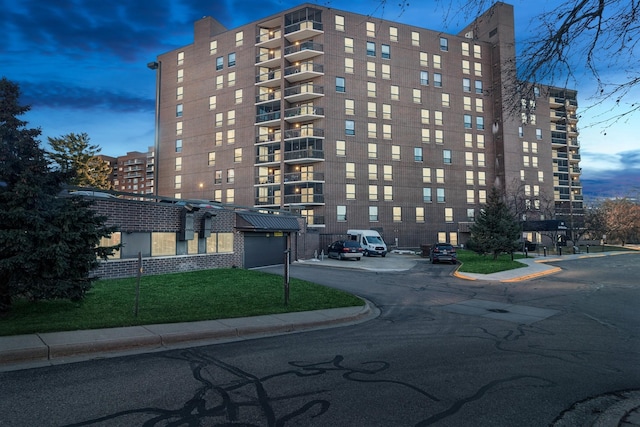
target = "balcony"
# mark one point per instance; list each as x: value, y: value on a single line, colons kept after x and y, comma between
x: 303, y: 92
x: 297, y: 177
x: 269, y: 137
x: 303, y: 133
x: 303, y: 30
x: 556, y: 101
x: 270, y: 78
x: 269, y: 37
x: 307, y: 155
x: 268, y: 118
x: 303, y: 51
x: 268, y: 201
x: 271, y: 95
x: 268, y: 179
x: 269, y: 59
x: 304, y: 199
x: 303, y: 71
x: 574, y: 158
x: 558, y: 116
x: 268, y: 154
x: 303, y: 113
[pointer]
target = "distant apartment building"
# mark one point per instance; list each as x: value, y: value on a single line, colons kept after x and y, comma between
x: 134, y: 173
x: 357, y: 122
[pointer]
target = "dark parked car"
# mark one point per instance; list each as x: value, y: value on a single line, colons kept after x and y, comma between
x: 344, y: 249
x: 443, y: 252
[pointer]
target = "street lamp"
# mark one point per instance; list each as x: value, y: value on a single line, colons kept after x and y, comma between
x: 157, y: 67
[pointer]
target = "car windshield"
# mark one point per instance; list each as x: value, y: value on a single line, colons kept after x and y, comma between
x: 374, y: 239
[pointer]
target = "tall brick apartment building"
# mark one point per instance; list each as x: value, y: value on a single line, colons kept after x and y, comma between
x: 357, y: 122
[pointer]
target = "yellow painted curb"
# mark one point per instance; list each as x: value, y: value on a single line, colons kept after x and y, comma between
x: 533, y: 276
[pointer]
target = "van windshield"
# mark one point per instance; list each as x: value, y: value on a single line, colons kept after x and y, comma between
x: 374, y: 239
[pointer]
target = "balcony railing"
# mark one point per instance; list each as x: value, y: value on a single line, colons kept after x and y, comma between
x: 270, y: 78
x: 268, y: 137
x: 303, y: 71
x: 308, y: 154
x: 267, y: 117
x: 303, y: 199
x: 272, y: 35
x: 303, y: 113
x: 303, y: 176
x: 302, y: 30
x: 303, y: 133
x: 268, y: 179
x: 268, y: 96
x: 303, y: 51
x: 303, y: 92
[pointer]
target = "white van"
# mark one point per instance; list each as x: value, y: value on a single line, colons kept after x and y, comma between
x: 370, y: 240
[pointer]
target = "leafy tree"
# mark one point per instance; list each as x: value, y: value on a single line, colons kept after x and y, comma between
x: 622, y: 218
x: 495, y: 229
x: 76, y: 156
x: 48, y: 244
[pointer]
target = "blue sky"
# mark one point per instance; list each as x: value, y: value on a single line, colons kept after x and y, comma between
x: 81, y: 65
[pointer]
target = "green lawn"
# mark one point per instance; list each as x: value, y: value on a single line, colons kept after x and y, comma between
x: 180, y: 297
x: 485, y: 264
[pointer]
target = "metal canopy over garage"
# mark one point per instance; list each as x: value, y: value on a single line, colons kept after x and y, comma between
x: 265, y: 237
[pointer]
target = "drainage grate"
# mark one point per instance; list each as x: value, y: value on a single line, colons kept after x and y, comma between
x: 497, y: 310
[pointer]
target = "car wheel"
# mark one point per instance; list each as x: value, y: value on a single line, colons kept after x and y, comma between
x: 340, y: 257
x: 358, y: 259
x: 366, y: 253
x: 384, y: 255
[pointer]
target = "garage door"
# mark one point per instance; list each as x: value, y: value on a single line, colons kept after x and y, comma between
x: 261, y: 249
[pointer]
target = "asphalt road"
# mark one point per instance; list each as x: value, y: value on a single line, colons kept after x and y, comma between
x: 416, y: 364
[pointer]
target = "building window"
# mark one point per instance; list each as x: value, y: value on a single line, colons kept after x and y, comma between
x: 179, y: 110
x: 348, y: 45
x: 341, y: 148
x: 415, y: 38
x: 395, y: 152
x: 479, y: 105
x: 386, y: 131
x: 179, y: 93
x: 349, y: 107
x: 468, y: 158
x: 477, y: 51
x: 350, y: 191
x: 471, y: 198
x: 231, y: 136
x: 424, y: 78
x: 424, y: 116
x: 438, y: 118
x: 213, y: 47
x: 177, y: 182
x: 340, y: 84
x: 446, y: 157
x: 466, y: 66
x: 231, y: 117
x: 538, y: 133
x: 217, y: 177
x: 219, y: 119
x: 231, y: 59
x: 371, y: 69
x: 440, y: 195
x: 444, y: 44
x: 480, y: 142
x: 239, y: 38
x: 478, y: 84
x: 163, y: 244
x: 477, y: 68
x: 426, y: 175
x: 386, y: 71
x: 425, y: 135
x: 218, y: 139
x: 231, y: 176
x: 371, y: 89
x: 371, y: 49
x: 393, y: 34
x: 395, y: 93
x: 437, y: 61
x: 397, y: 214
x: 373, y: 192
x: 480, y: 123
x: 465, y: 48
x: 371, y: 130
x: 372, y: 150
x: 371, y: 29
x: 469, y: 177
x: 387, y: 172
x: 348, y: 65
x: 212, y: 159
x: 420, y: 214
x: 467, y: 121
x: 341, y: 213
x: 482, y: 180
x: 212, y: 102
x: 231, y: 79
x: 231, y: 195
x: 386, y: 111
x: 178, y: 164
x: 417, y: 96
x: 440, y: 176
x: 426, y: 195
x: 446, y: 100
x: 448, y: 215
x: 339, y: 20
x: 424, y: 59
x: 349, y: 127
x: 178, y: 145
x: 386, y: 51
x: 372, y: 110
x: 437, y: 79
x: 373, y: 213
x: 237, y: 155
x: 417, y: 154
x: 238, y: 95
x: 481, y: 162
x: 373, y: 172
x: 219, y: 82
x: 482, y: 196
x: 466, y: 85
x: 179, y: 128
x: 219, y: 63
x: 350, y: 170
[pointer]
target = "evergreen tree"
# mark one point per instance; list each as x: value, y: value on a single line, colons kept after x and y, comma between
x: 48, y: 244
x: 495, y: 229
x: 75, y: 155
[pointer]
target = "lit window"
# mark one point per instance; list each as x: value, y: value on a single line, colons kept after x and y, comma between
x: 373, y: 172
x: 482, y: 196
x: 417, y: 96
x: 231, y: 176
x: 219, y: 82
x: 238, y: 95
x: 348, y: 65
x: 341, y: 148
x: 349, y: 107
x: 420, y: 214
x: 440, y: 176
x: 218, y: 139
x: 339, y: 20
x: 350, y: 191
x: 371, y: 89
x: 424, y: 116
x: 446, y: 100
x: 213, y: 47
x: 371, y: 109
x: 231, y: 136
x: 479, y: 105
x: 348, y: 45
x: 468, y: 158
x: 219, y: 119
x: 426, y: 175
x: 425, y: 135
x: 180, y: 58
x: 468, y: 140
x: 177, y: 182
x: 231, y: 79
x: 439, y: 136
x: 350, y: 170
x: 393, y: 34
x: 372, y: 150
x: 424, y: 59
x: 437, y: 61
x: 179, y: 128
x: 471, y: 197
x: 212, y: 102
x: 179, y: 93
x: 387, y: 172
x: 231, y: 195
x: 395, y: 93
x: 371, y: 130
x: 386, y: 131
x: 231, y: 117
x: 371, y: 69
x: 371, y: 29
x: 217, y: 177
x: 415, y: 38
x: 178, y: 163
x: 438, y: 118
x: 477, y: 68
x: 466, y: 66
x: 373, y: 192
x: 397, y: 214
x: 386, y: 71
x: 180, y: 77
x: 212, y: 159
x: 480, y: 143
x: 448, y: 216
x: 482, y: 178
x: 237, y: 155
x: 481, y: 160
x: 386, y: 111
x: 465, y: 48
x: 395, y: 152
x: 469, y: 178
x: 477, y: 51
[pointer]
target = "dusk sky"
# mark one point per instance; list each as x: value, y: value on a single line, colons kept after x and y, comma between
x: 82, y: 66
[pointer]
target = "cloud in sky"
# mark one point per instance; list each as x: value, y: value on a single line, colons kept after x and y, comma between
x: 81, y: 65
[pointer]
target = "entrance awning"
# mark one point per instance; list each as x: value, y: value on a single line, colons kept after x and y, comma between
x: 253, y: 221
